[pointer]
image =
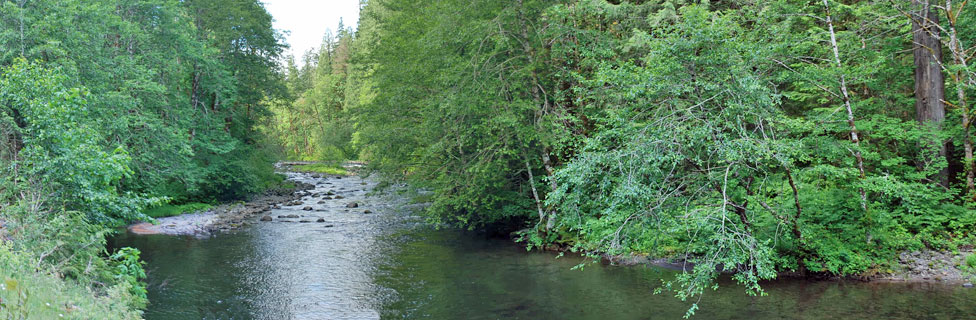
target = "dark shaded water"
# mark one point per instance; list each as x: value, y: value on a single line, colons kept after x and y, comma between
x: 387, y: 265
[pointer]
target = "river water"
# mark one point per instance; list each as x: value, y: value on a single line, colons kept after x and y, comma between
x: 388, y: 264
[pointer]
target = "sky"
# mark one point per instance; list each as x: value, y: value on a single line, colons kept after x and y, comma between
x: 307, y: 20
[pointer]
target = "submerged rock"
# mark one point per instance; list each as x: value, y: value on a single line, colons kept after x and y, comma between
x: 367, y: 211
x: 266, y: 218
x: 320, y: 220
x: 352, y: 205
x: 307, y: 208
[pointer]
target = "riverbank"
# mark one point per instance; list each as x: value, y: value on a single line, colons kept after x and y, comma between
x: 924, y: 266
x: 227, y: 217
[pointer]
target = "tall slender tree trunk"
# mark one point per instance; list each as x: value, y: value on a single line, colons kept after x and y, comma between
x: 541, y: 103
x: 23, y: 44
x: 850, y: 118
x: 960, y: 77
x: 929, y: 83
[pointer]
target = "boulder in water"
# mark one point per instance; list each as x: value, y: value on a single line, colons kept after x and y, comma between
x: 266, y: 218
x: 352, y: 205
x: 307, y: 208
x: 320, y: 220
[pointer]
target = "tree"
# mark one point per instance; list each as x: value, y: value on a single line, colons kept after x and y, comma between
x: 929, y: 82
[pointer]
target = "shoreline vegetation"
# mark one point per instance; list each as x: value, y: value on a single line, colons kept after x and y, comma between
x: 819, y: 139
x: 111, y: 108
x: 754, y: 139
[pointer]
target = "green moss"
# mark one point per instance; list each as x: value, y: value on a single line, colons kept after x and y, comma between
x: 169, y: 210
x: 321, y: 168
x: 971, y: 261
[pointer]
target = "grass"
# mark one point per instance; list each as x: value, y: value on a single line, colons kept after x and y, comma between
x: 27, y: 293
x: 169, y: 210
x: 322, y: 168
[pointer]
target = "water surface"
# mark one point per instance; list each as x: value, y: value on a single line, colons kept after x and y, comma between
x: 389, y: 265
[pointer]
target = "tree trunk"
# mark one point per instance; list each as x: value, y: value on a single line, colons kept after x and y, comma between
x: 929, y: 83
x: 541, y: 102
x: 850, y: 119
x: 959, y: 78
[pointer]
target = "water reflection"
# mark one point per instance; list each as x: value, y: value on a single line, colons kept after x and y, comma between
x: 388, y: 265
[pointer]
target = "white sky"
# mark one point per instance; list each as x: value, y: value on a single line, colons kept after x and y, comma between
x: 307, y: 20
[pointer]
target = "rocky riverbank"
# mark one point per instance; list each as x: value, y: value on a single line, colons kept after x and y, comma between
x: 225, y: 217
x: 916, y: 266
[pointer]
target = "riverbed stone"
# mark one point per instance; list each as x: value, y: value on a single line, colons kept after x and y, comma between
x: 266, y: 218
x: 367, y: 211
x: 352, y: 205
x: 307, y: 208
x: 304, y: 221
x: 338, y: 197
x: 320, y: 220
x: 967, y: 285
x: 321, y: 202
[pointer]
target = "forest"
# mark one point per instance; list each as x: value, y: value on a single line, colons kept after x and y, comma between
x: 816, y: 138
x: 755, y: 138
x: 111, y: 107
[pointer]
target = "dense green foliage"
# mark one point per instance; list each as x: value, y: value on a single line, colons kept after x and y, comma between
x: 169, y: 210
x: 107, y: 109
x: 746, y: 137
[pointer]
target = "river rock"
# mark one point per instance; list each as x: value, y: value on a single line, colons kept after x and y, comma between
x: 320, y: 220
x: 321, y: 202
x: 305, y: 221
x: 352, y: 205
x: 328, y: 226
x: 367, y: 211
x: 290, y: 216
x: 266, y: 218
x: 338, y: 197
x: 967, y: 285
x: 307, y: 208
x: 330, y: 193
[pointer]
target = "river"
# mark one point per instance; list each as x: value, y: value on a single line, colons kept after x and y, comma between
x: 389, y: 264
